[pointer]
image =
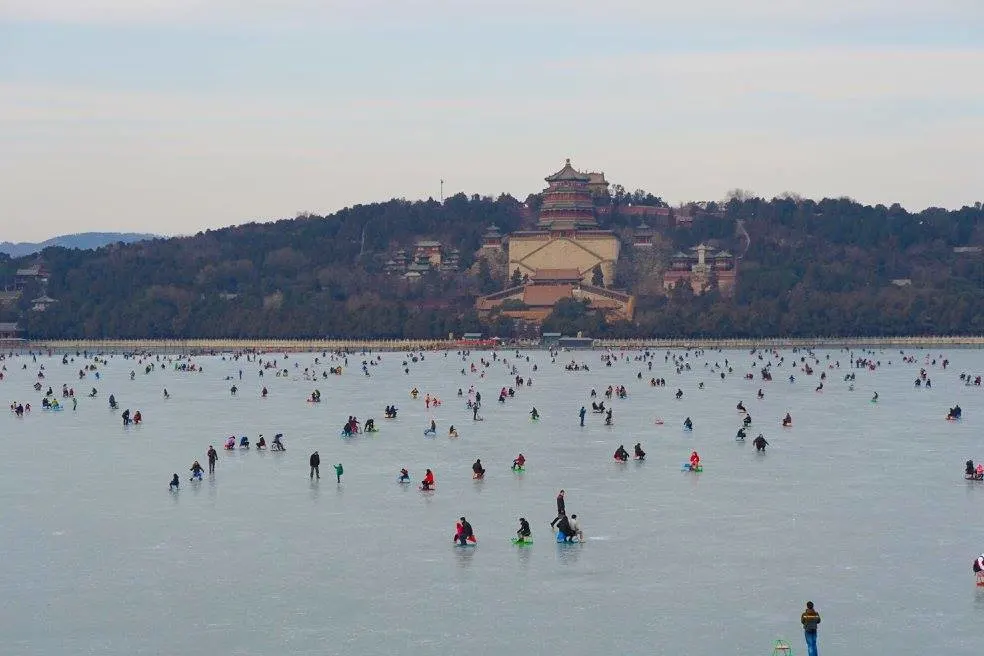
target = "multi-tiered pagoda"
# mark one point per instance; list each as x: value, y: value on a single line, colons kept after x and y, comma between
x: 567, y: 202
x: 567, y: 233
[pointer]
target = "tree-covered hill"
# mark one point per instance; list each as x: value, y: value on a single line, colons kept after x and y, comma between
x: 830, y: 267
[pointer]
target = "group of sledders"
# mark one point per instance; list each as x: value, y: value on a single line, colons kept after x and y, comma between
x: 568, y: 528
x: 623, y: 456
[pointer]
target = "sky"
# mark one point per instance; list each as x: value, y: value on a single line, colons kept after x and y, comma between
x: 173, y: 116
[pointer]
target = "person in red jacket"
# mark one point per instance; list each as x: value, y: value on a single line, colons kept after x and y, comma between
x: 694, y: 460
x: 428, y: 482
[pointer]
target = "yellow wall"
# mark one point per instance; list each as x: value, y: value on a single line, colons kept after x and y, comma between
x: 529, y: 253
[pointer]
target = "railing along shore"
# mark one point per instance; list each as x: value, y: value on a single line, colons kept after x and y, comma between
x: 319, y: 345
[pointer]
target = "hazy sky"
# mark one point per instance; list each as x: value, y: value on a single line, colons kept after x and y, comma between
x: 170, y: 116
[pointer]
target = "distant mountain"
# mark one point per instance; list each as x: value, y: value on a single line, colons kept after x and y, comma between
x: 82, y: 241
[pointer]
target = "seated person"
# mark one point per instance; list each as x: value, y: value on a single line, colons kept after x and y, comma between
x: 688, y: 424
x: 428, y: 482
x: 787, y: 420
x: 639, y: 453
x: 564, y: 530
x: 261, y: 443
x: 277, y: 444
x: 404, y: 476
x: 621, y: 454
x: 740, y: 435
x: 478, y: 470
x: 519, y: 462
x: 243, y: 442
x: 524, y: 533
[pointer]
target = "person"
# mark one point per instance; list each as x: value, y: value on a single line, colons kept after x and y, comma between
x: 524, y: 533
x: 277, y: 444
x: 564, y: 528
x: 243, y: 442
x: 404, y: 476
x: 428, y: 482
x: 478, y: 470
x: 761, y: 394
x: 621, y: 454
x: 810, y: 620
x: 740, y: 407
x: 230, y: 442
x: 741, y: 435
x: 213, y: 456
x: 433, y: 427
x: 787, y: 420
x: 370, y: 426
x: 576, y: 531
x: 979, y: 569
x: 467, y: 534
x: 874, y: 398
x: 969, y: 470
x: 338, y: 472
x: 694, y: 461
x: 315, y: 462
x: 679, y: 394
x: 534, y: 415
x: 608, y: 417
x: 196, y: 471
x: 519, y: 462
x: 175, y: 483
x: 688, y: 424
x: 560, y: 509
x: 581, y: 414
x: 261, y: 443
x: 760, y: 443
x: 639, y: 453
x: 452, y: 432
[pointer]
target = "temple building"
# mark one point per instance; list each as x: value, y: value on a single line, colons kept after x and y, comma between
x: 567, y: 235
x: 426, y: 256
x: 534, y: 300
x: 700, y: 267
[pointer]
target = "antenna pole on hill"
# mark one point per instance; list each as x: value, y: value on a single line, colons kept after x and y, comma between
x: 442, y: 190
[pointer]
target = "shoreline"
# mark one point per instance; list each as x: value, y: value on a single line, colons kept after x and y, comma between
x: 199, y: 346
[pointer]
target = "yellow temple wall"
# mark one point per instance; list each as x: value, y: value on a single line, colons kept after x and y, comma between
x: 583, y: 252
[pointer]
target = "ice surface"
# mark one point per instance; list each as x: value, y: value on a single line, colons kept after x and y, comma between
x: 860, y: 507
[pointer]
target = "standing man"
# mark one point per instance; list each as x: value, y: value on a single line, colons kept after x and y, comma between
x: 561, y: 512
x: 810, y: 619
x: 213, y: 455
x: 581, y: 414
x: 338, y: 472
x: 315, y: 464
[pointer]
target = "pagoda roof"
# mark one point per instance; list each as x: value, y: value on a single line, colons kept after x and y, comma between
x: 568, y: 173
x: 546, y: 295
x: 425, y: 243
x: 643, y: 228
x: 681, y: 255
x: 723, y: 254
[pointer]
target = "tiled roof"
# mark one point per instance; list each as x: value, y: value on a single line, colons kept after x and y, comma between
x: 540, y: 295
x: 568, y: 173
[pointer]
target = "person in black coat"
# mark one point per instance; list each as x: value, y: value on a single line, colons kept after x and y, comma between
x: 315, y: 464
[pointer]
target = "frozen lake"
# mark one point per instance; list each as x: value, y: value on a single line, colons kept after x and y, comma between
x: 860, y: 507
